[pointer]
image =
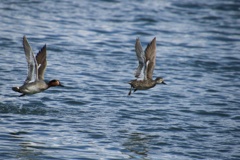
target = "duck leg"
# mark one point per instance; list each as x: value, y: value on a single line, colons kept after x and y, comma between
x: 129, y: 93
x: 21, y: 95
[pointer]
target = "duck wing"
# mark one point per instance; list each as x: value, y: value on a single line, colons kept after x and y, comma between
x: 42, y: 62
x: 31, y: 60
x: 150, y: 55
x: 140, y: 57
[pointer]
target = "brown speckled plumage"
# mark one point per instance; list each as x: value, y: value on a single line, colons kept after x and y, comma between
x: 147, y: 61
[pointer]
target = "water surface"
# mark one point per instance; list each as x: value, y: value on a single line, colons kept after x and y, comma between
x: 90, y: 46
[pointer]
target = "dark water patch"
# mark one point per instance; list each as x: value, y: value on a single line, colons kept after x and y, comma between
x: 234, y: 6
x: 21, y: 109
x: 145, y: 19
x: 232, y: 58
x: 190, y: 5
x: 236, y: 117
x: 76, y: 103
x: 175, y: 95
x: 28, y: 110
x: 176, y: 129
x: 219, y: 104
x: 97, y: 135
x: 212, y: 113
x: 223, y: 38
x: 29, y: 123
x: 18, y: 133
x: 142, y: 33
x: 231, y: 68
x: 12, y: 136
x: 207, y: 64
x: 212, y: 91
x: 212, y: 17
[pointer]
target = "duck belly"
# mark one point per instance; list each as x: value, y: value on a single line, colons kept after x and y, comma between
x: 32, y: 88
x: 142, y: 88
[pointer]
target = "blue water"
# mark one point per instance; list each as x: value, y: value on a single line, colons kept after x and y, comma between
x: 90, y: 47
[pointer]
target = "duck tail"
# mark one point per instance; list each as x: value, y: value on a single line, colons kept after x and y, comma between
x: 16, y: 89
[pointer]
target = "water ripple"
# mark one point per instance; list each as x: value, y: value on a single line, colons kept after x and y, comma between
x: 90, y: 48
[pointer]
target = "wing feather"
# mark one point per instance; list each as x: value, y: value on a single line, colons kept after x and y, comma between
x: 31, y: 60
x: 42, y: 62
x: 140, y: 57
x: 150, y: 54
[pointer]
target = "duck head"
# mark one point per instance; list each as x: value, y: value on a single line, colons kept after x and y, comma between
x: 159, y: 80
x: 54, y: 83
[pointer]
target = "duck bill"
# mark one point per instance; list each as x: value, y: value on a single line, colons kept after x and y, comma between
x: 61, y: 85
x: 164, y: 83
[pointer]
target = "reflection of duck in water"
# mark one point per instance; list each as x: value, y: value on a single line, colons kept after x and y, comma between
x: 137, y: 144
x: 36, y: 68
x: 148, y: 60
x: 25, y: 150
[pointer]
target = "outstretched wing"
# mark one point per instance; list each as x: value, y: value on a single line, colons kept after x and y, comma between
x: 31, y: 60
x: 140, y: 57
x: 42, y: 62
x: 150, y: 55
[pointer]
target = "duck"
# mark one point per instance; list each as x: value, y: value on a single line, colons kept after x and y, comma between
x: 146, y: 59
x: 35, y: 83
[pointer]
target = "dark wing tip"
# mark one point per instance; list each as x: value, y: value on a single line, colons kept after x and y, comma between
x: 154, y: 40
x: 24, y: 39
x: 43, y: 49
x: 137, y: 41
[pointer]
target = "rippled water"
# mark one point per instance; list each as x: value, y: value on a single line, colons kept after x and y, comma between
x: 91, y: 50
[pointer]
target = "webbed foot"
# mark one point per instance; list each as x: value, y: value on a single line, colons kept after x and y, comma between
x: 21, y: 95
